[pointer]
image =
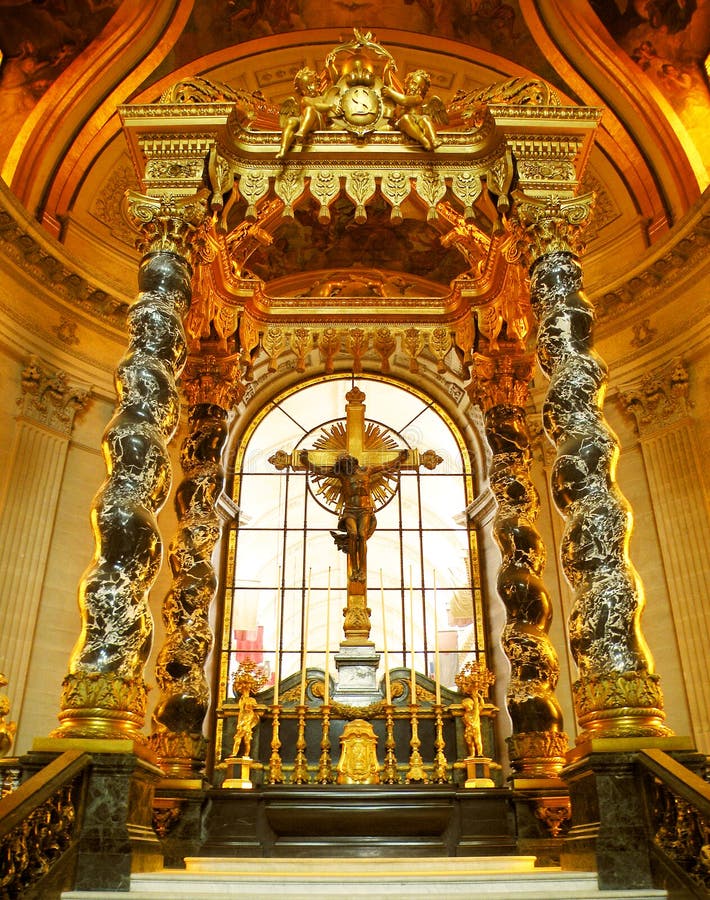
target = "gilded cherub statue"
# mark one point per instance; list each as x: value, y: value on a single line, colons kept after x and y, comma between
x: 249, y: 679
x: 418, y: 115
x: 309, y: 112
x: 474, y: 680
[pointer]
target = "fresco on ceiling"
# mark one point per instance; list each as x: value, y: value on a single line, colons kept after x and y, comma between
x: 670, y: 41
x: 302, y: 244
x: 38, y: 41
x: 493, y: 25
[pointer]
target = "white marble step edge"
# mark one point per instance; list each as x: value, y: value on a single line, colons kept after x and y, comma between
x: 415, y: 878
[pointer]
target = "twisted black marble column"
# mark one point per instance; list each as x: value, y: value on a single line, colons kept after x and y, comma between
x: 617, y: 693
x: 180, y: 670
x: 538, y: 743
x: 104, y: 694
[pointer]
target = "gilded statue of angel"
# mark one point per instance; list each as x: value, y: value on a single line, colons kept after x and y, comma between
x: 418, y: 115
x: 309, y: 112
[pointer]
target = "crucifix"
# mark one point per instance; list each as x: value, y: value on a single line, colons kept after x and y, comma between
x: 355, y: 470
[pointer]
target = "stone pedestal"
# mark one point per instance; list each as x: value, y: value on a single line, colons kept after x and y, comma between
x: 239, y: 772
x: 117, y: 835
x: 478, y: 772
x: 357, y: 675
x: 608, y: 830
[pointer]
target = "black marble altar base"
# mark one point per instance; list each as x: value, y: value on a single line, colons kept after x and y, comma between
x: 609, y: 831
x: 117, y: 835
x: 355, y: 820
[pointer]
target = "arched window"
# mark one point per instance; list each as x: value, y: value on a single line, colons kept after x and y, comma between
x: 282, y: 560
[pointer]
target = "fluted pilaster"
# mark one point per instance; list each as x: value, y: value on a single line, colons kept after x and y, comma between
x: 33, y: 480
x: 660, y: 406
x: 104, y: 694
x: 538, y: 742
x: 212, y: 387
x: 617, y: 693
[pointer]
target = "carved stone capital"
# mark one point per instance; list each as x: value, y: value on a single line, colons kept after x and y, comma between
x: 212, y: 379
x: 167, y: 223
x: 48, y: 398
x: 659, y: 399
x: 502, y: 379
x: 542, y: 225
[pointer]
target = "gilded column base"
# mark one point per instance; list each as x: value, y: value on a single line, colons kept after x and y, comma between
x: 102, y: 705
x: 537, y: 754
x: 620, y: 704
x: 180, y: 754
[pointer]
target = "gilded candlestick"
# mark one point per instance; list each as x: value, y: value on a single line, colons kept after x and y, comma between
x: 416, y: 763
x: 300, y: 764
x: 276, y: 775
x: 441, y: 774
x: 325, y: 768
x: 389, y: 770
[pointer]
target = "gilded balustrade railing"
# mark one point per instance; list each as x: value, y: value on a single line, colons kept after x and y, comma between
x: 40, y: 821
x: 678, y: 810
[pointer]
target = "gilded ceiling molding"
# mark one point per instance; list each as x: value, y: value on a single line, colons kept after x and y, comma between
x: 669, y: 180
x: 142, y: 33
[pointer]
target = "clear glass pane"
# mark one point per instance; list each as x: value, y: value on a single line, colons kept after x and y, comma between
x: 273, y: 547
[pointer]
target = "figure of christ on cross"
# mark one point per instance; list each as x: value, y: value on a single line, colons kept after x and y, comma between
x: 353, y: 480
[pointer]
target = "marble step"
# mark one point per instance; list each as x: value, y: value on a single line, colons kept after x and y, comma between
x: 506, y: 877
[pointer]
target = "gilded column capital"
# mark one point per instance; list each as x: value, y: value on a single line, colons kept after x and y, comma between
x: 659, y: 399
x: 500, y: 380
x: 168, y: 224
x: 48, y: 398
x: 213, y: 380
x: 543, y: 225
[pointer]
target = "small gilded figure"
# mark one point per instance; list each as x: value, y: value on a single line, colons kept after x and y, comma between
x: 308, y: 113
x: 417, y: 115
x: 472, y: 724
x: 247, y: 721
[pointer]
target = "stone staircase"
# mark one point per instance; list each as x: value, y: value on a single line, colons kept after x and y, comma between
x: 506, y: 877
